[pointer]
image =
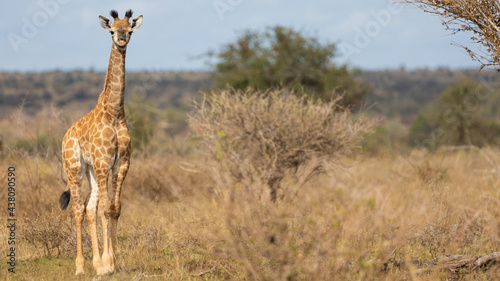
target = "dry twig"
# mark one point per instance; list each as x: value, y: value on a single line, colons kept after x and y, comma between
x: 480, y: 17
x: 203, y: 272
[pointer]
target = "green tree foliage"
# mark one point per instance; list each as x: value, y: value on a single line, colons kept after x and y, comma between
x: 462, y: 115
x: 139, y: 120
x: 282, y: 57
x: 389, y: 137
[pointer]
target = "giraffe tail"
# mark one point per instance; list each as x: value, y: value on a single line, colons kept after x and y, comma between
x: 64, y: 199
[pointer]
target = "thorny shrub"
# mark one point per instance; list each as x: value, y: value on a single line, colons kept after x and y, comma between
x: 266, y: 137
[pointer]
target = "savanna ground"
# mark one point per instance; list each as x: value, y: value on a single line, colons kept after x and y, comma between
x: 180, y: 222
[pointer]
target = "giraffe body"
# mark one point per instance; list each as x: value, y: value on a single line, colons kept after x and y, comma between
x: 97, y: 147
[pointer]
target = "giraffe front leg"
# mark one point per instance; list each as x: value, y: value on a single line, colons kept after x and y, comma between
x: 104, y: 209
x: 107, y: 260
x: 119, y: 173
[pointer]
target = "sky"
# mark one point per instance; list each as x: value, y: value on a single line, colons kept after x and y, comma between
x: 45, y: 35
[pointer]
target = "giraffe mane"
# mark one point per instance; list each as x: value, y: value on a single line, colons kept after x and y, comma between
x: 114, y: 14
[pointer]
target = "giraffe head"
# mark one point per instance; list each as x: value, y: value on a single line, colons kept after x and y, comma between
x: 121, y: 30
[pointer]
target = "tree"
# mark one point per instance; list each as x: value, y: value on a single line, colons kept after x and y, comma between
x: 261, y: 139
x: 139, y: 120
x: 459, y: 116
x: 282, y: 57
x: 481, y: 17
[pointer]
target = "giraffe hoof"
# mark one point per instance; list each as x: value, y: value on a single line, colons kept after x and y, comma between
x: 80, y: 264
x: 105, y: 270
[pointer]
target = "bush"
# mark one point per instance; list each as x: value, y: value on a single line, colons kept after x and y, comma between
x: 265, y: 137
x: 52, y: 233
x: 389, y: 137
x: 139, y: 120
x: 464, y: 114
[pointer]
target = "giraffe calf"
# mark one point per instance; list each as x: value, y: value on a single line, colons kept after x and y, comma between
x: 98, y: 146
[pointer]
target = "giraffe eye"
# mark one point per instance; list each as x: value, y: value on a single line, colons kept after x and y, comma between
x: 130, y: 32
x: 112, y: 32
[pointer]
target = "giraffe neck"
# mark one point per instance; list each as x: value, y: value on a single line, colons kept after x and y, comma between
x: 113, y: 96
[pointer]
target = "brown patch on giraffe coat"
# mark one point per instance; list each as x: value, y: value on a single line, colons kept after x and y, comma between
x: 108, y: 133
x: 84, y: 127
x: 106, y: 143
x: 87, y: 147
x: 103, y: 151
x: 98, y: 142
x: 68, y: 153
x: 98, y: 153
x: 93, y: 148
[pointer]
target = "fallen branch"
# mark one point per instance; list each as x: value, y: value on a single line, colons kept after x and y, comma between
x: 204, y: 272
x: 453, y: 263
x: 141, y: 275
x: 487, y: 261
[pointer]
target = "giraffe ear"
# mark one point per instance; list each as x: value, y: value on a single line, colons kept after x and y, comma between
x: 105, y: 22
x: 136, y: 22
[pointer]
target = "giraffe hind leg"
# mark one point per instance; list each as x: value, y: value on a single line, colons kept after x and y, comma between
x: 78, y: 212
x: 91, y: 212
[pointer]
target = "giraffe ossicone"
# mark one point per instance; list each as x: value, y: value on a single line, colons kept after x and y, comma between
x: 98, y: 146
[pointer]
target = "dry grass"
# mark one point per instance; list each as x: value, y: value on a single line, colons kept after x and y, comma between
x: 185, y: 219
x: 343, y: 226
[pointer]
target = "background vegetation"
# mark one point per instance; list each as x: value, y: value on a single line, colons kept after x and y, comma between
x: 283, y: 57
x: 383, y: 191
x: 464, y: 114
